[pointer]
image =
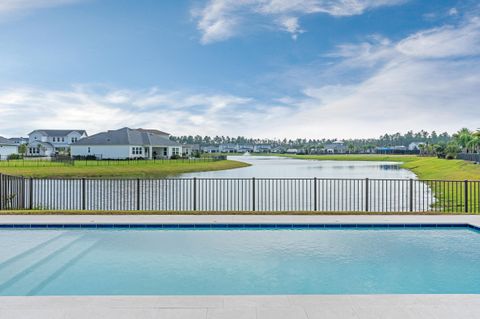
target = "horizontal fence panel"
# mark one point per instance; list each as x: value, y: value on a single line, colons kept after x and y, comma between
x: 241, y: 194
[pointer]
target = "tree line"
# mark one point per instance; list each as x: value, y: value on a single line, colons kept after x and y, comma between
x: 396, y: 139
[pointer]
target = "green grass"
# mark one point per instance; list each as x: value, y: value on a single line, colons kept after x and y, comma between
x: 423, y: 167
x: 140, y: 169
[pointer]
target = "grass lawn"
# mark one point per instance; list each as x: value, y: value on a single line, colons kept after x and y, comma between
x: 423, y: 167
x: 141, y: 169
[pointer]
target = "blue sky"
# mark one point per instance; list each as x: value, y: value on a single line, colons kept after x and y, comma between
x: 259, y: 68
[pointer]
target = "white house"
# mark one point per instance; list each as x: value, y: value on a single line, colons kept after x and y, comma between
x: 336, y: 147
x: 127, y: 143
x: 415, y: 146
x: 7, y: 148
x: 51, y: 142
x: 210, y: 149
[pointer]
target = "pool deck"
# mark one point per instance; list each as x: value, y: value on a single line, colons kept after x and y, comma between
x: 242, y: 307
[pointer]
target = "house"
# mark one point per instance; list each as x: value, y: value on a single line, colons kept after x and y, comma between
x: 127, y: 143
x: 7, y: 148
x: 292, y: 151
x: 228, y: 148
x: 210, y: 149
x: 52, y: 142
x: 415, y: 146
x: 19, y: 140
x: 244, y: 148
x: 337, y: 147
x: 262, y: 148
x: 190, y: 149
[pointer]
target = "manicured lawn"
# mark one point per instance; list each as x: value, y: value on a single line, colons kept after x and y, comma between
x: 140, y: 169
x: 423, y: 167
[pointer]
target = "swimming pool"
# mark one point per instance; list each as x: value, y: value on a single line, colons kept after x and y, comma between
x: 238, y: 259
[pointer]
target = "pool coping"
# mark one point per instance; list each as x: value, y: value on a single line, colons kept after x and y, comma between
x: 242, y: 307
x: 122, y: 221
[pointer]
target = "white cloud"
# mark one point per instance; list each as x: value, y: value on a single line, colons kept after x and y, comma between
x: 222, y: 19
x: 421, y: 82
x: 447, y: 41
x: 85, y: 107
x: 409, y: 85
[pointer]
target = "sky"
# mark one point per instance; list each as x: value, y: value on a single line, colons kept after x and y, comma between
x: 256, y: 68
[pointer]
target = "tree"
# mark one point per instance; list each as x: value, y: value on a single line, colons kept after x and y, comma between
x: 22, y: 149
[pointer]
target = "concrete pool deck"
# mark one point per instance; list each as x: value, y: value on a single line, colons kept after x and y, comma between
x: 244, y: 307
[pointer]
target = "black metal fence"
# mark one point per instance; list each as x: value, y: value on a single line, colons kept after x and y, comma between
x: 240, y: 194
x: 473, y: 157
x: 67, y: 161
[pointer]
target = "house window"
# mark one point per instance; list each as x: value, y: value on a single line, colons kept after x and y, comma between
x: 137, y: 150
x: 63, y: 139
x: 175, y: 151
x: 89, y: 150
x: 74, y: 139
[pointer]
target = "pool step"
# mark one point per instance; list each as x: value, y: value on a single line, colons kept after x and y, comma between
x: 16, y: 267
x: 30, y: 283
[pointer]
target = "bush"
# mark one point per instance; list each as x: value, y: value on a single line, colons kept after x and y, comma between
x: 14, y: 157
x: 451, y: 156
x: 174, y: 157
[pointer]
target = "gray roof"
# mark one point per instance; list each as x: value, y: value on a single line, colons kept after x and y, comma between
x: 5, y: 141
x: 58, y: 132
x: 127, y: 136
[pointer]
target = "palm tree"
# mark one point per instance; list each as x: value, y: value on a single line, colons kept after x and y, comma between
x: 474, y: 144
x: 463, y: 137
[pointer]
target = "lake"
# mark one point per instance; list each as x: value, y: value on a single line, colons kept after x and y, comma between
x: 283, y: 167
x: 270, y: 184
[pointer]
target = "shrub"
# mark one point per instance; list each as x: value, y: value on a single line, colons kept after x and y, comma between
x: 14, y: 157
x: 450, y: 156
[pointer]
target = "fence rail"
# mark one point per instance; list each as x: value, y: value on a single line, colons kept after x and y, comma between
x: 240, y: 194
x: 66, y: 161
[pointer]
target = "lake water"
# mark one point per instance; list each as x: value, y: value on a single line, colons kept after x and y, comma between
x: 282, y: 167
x: 280, y: 184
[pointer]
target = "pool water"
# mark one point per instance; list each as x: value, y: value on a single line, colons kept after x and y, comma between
x: 239, y: 261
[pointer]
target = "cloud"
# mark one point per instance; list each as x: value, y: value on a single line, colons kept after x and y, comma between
x: 97, y: 109
x: 419, y: 82
x: 447, y: 41
x: 222, y: 19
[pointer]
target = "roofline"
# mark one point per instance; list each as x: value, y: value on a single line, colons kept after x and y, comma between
x: 43, y: 130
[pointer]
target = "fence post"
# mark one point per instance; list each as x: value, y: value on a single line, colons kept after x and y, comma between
x: 253, y: 193
x: 465, y: 187
x: 1, y: 191
x: 84, y: 195
x: 367, y: 193
x: 410, y: 196
x: 30, y: 193
x: 194, y: 193
x: 315, y: 205
x: 138, y: 193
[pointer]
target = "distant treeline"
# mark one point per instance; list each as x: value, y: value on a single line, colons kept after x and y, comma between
x: 396, y: 139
